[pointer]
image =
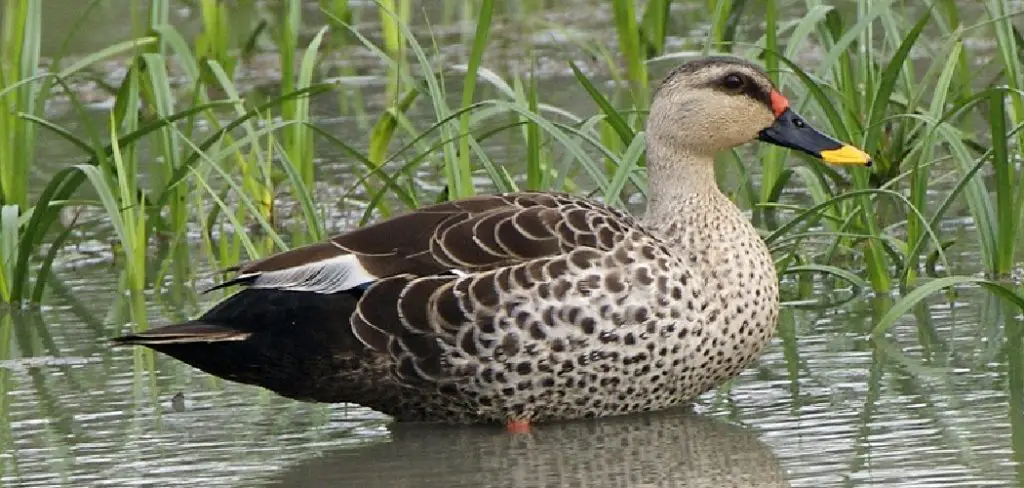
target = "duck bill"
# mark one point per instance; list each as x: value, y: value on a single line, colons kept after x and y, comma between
x: 790, y: 130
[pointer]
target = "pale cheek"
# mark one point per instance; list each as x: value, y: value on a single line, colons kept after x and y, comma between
x: 730, y: 133
x: 740, y: 121
x: 766, y: 121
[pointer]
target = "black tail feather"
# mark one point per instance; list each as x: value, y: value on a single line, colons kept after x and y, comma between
x: 186, y: 333
x: 296, y: 344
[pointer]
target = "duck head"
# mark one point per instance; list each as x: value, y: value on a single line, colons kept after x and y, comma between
x: 715, y: 103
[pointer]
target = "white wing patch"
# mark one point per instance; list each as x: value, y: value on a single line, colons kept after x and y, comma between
x: 328, y: 276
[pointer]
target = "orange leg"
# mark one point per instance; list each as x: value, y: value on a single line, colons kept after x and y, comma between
x: 518, y: 426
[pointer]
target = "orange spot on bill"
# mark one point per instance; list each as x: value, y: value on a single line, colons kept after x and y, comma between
x: 779, y: 103
x: 518, y: 426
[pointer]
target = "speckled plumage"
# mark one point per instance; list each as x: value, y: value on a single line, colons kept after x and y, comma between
x: 527, y: 306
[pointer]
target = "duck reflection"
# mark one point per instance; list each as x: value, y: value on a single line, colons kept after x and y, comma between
x: 666, y: 449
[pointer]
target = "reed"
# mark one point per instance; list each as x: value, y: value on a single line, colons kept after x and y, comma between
x: 910, y: 124
x: 875, y: 229
x: 462, y: 178
x: 632, y: 50
x: 113, y: 168
x: 21, y: 91
x: 1006, y: 118
x: 196, y: 172
x: 214, y: 40
x: 298, y: 141
x: 10, y: 226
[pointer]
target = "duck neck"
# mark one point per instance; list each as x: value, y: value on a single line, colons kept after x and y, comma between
x: 680, y: 183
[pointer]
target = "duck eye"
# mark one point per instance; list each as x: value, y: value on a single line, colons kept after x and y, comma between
x: 733, y: 81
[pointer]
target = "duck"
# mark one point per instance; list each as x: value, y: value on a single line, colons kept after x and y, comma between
x: 528, y: 307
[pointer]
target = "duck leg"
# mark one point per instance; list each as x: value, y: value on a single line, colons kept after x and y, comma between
x: 518, y: 426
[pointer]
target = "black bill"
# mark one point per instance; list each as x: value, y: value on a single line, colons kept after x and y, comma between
x: 790, y: 130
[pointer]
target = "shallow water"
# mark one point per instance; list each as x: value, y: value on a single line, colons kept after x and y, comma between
x: 941, y: 403
x: 850, y: 414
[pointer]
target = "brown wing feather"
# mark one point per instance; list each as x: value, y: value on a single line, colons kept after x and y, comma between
x: 429, y: 323
x: 397, y: 309
x: 443, y: 327
x: 482, y: 233
x: 470, y: 235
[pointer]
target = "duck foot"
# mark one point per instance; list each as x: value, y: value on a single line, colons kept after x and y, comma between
x: 520, y: 426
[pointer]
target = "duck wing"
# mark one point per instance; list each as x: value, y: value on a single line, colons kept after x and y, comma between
x: 426, y: 300
x: 465, y: 236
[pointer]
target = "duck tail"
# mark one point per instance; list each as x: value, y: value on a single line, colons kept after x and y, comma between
x: 184, y: 333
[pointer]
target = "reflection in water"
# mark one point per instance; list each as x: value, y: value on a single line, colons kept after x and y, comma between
x: 75, y: 412
x: 667, y: 449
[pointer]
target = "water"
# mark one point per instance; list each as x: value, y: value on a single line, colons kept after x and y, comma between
x: 82, y: 414
x: 932, y: 406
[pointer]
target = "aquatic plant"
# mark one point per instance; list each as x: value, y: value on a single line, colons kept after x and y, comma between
x: 222, y: 159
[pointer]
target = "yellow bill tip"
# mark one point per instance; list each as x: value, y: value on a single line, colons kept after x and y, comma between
x: 846, y: 154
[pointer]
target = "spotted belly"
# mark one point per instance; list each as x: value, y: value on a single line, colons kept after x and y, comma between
x: 608, y: 340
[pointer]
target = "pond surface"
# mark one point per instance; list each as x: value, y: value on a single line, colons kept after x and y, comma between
x: 850, y: 413
x: 937, y: 404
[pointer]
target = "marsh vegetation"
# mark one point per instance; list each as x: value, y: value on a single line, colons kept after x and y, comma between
x: 144, y: 149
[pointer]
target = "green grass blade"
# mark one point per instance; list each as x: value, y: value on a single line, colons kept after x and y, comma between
x: 476, y: 54
x: 113, y: 51
x: 1002, y: 165
x: 881, y: 96
x: 536, y: 176
x: 850, y: 277
x: 654, y: 26
x: 10, y: 224
x: 299, y: 138
x: 629, y: 163
x: 910, y: 300
x: 629, y: 45
x: 612, y: 116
